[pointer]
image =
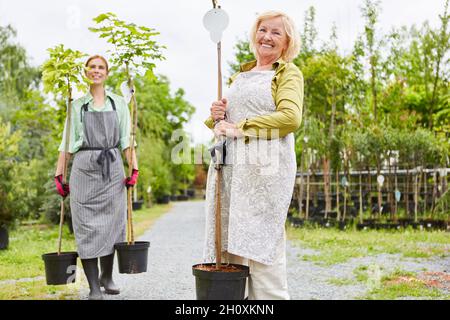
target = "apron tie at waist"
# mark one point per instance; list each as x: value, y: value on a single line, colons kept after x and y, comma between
x: 106, y: 156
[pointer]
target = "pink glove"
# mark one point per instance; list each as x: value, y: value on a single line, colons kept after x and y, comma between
x: 62, y: 188
x: 131, y: 181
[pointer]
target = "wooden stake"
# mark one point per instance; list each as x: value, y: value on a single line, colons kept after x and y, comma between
x: 66, y: 150
x: 130, y: 236
x: 218, y: 214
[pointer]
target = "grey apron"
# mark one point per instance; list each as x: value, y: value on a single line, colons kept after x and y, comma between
x: 97, y: 190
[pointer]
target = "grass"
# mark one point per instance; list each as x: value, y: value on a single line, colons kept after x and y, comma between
x: 26, y: 246
x: 341, y: 281
x: 334, y: 246
x: 400, y: 285
x: 37, y: 290
x: 28, y: 243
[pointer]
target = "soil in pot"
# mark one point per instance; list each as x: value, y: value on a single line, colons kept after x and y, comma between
x: 227, y: 283
x: 60, y: 268
x: 132, y: 258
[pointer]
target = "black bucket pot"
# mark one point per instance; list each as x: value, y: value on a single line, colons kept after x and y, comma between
x: 132, y: 258
x: 220, y: 285
x: 163, y: 199
x: 137, y: 205
x: 343, y: 225
x: 4, y: 238
x: 363, y: 226
x: 60, y: 268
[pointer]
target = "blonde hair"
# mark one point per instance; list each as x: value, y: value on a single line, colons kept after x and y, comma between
x: 97, y: 56
x: 293, y: 35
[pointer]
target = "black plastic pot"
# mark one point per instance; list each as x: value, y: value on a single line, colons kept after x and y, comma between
x: 163, y: 199
x: 363, y: 226
x: 191, y: 193
x: 296, y: 222
x: 60, y: 269
x: 327, y: 223
x: 4, y: 238
x: 220, y: 285
x: 342, y: 225
x: 417, y: 225
x: 137, y: 205
x: 182, y: 197
x: 132, y: 258
x: 405, y: 222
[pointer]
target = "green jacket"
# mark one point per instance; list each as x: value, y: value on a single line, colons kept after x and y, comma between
x: 287, y: 93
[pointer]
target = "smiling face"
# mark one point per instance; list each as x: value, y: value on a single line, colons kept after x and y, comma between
x: 97, y: 71
x: 271, y: 39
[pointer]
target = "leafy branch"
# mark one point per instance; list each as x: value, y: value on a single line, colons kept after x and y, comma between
x: 134, y: 46
x: 64, y: 71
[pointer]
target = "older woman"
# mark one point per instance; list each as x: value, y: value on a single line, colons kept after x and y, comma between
x: 262, y: 109
x: 100, y: 129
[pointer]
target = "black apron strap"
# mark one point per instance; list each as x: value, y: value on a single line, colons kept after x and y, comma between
x: 112, y: 103
x: 85, y: 107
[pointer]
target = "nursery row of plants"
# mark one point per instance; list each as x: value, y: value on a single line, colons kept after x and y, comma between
x: 375, y: 136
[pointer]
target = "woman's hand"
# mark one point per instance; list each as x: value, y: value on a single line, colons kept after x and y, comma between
x: 228, y: 129
x: 62, y: 188
x: 131, y: 181
x: 218, y: 110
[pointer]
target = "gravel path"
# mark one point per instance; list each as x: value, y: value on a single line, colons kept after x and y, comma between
x: 176, y: 242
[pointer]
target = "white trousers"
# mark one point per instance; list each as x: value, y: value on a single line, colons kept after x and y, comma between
x: 265, y: 282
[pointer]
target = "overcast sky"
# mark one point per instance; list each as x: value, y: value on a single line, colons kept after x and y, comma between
x: 191, y: 55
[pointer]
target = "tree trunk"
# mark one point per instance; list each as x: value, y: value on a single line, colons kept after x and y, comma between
x: 390, y: 192
x: 307, y: 195
x: 416, y: 187
x: 407, y: 192
x: 326, y: 176
x: 425, y: 190
x: 433, y: 199
x: 373, y: 87
x: 347, y: 187
x: 396, y: 188
x: 300, y: 192
x: 380, y: 200
x: 338, y: 210
x: 369, y: 191
x: 360, y: 199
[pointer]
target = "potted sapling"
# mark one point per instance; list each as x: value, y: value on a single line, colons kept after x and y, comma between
x: 134, y: 50
x: 62, y: 73
x: 217, y: 281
